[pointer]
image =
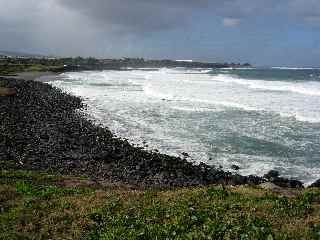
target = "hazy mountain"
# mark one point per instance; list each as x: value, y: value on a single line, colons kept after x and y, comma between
x: 20, y: 54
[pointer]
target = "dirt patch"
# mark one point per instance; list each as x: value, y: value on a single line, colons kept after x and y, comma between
x: 77, y: 183
x: 7, y: 92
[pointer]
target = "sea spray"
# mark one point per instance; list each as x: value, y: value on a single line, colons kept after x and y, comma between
x: 257, y: 119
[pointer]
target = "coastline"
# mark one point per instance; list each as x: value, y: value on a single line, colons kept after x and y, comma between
x: 53, y: 136
x: 63, y: 177
x: 111, y: 158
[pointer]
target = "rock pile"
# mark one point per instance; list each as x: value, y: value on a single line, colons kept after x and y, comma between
x: 273, y: 177
x: 316, y: 184
x: 42, y: 129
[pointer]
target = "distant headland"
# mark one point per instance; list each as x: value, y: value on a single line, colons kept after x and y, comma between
x: 11, y: 63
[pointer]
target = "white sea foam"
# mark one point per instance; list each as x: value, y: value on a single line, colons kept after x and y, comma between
x: 219, y: 90
x: 301, y: 118
x: 239, y: 68
x: 192, y: 110
x: 195, y: 109
x: 165, y: 96
x: 260, y: 165
x: 295, y: 68
x: 307, y: 88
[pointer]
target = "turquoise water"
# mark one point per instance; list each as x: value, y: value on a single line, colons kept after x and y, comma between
x: 258, y: 119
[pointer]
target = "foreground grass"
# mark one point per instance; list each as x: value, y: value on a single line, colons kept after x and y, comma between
x: 41, y: 206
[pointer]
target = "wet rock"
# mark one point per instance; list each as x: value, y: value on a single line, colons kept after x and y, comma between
x: 214, y: 175
x: 273, y: 177
x: 185, y: 154
x: 237, y: 180
x: 287, y: 183
x: 235, y: 167
x: 315, y: 184
x: 254, y: 180
x: 271, y: 174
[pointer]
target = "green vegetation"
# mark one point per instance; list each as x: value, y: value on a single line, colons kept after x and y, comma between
x: 41, y: 206
x: 13, y: 65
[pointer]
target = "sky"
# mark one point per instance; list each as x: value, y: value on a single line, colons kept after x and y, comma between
x: 261, y: 32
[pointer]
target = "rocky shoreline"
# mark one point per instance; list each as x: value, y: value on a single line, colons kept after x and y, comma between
x: 43, y: 129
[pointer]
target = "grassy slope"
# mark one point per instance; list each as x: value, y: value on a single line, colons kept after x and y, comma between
x: 11, y: 69
x: 41, y: 206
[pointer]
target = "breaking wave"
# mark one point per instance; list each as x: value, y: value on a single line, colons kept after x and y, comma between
x: 216, y: 116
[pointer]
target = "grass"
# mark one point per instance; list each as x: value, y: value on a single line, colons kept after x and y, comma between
x: 11, y: 69
x: 36, y: 205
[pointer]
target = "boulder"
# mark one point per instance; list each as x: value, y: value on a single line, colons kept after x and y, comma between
x: 316, y: 184
x: 185, y: 154
x: 271, y: 174
x: 254, y: 180
x: 287, y: 183
x: 235, y: 167
x: 273, y: 177
x: 236, y: 180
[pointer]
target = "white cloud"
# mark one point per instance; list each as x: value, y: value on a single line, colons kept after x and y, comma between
x: 231, y: 22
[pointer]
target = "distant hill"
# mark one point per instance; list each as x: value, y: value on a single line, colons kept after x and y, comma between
x: 20, y: 54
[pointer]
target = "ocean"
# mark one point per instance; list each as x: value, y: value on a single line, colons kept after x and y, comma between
x: 259, y: 119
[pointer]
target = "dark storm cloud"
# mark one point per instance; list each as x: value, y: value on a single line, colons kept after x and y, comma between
x: 157, y: 15
x: 44, y: 27
x: 136, y: 15
x: 150, y: 28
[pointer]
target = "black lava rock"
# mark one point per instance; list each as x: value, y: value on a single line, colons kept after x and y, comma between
x: 287, y: 183
x: 271, y: 174
x: 235, y: 167
x: 185, y: 154
x: 315, y: 184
